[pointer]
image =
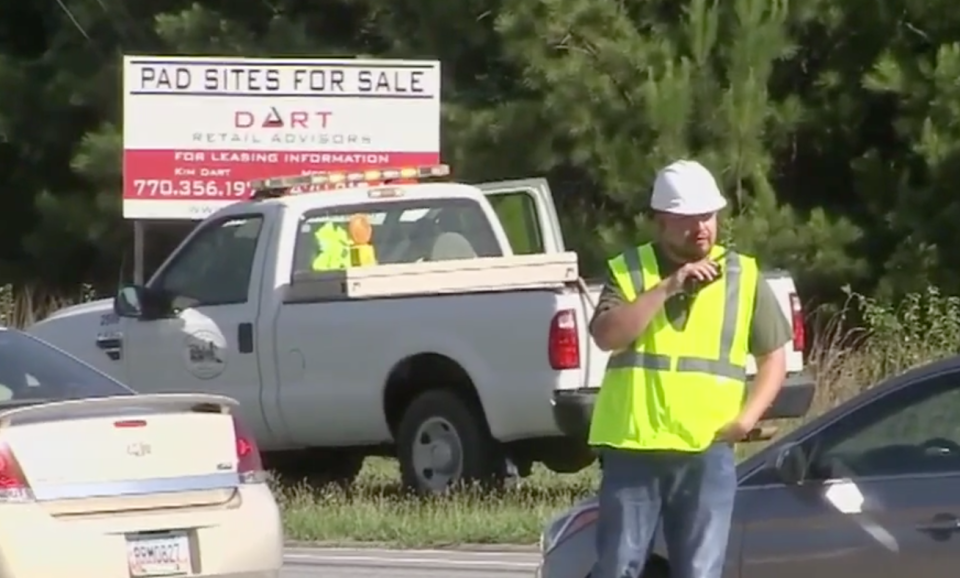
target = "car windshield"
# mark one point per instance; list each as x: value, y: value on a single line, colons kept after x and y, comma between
x: 31, y: 370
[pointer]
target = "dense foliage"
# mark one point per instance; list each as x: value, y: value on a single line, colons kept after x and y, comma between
x: 834, y: 126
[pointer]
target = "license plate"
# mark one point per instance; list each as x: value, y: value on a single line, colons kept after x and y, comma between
x: 159, y: 555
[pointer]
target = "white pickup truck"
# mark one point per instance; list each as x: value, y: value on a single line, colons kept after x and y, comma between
x: 471, y: 380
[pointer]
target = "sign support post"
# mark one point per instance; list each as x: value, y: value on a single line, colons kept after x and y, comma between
x: 138, y: 237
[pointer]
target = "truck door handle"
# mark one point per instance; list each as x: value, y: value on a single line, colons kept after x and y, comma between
x: 111, y: 344
x: 245, y: 337
x: 941, y: 526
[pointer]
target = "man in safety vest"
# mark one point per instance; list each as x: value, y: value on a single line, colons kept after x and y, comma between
x: 680, y: 315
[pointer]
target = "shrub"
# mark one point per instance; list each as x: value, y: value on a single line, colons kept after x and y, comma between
x: 891, y: 338
x: 23, y: 306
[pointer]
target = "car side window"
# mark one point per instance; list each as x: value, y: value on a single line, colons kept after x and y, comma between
x: 216, y: 266
x: 912, y: 430
x: 32, y: 370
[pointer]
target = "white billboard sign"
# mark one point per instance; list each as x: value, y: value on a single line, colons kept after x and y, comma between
x: 196, y: 129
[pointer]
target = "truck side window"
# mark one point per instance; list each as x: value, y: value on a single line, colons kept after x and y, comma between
x: 517, y: 211
x: 216, y: 266
x: 161, y: 239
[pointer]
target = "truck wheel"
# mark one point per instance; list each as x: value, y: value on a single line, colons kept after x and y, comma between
x: 443, y: 440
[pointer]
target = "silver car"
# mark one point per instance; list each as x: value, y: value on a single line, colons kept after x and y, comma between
x: 871, y: 488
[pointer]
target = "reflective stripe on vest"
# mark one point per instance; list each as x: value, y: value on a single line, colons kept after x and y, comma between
x: 672, y: 389
x: 722, y: 367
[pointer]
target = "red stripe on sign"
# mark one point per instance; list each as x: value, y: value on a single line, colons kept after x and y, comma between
x: 223, y: 174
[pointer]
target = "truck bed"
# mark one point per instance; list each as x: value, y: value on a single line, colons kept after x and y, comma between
x: 349, y: 348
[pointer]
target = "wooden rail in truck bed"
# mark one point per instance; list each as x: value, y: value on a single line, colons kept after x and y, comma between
x: 429, y: 278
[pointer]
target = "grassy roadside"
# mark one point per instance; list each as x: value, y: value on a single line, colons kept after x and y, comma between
x: 376, y: 510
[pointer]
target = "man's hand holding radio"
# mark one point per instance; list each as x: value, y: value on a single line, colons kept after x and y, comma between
x: 691, y: 275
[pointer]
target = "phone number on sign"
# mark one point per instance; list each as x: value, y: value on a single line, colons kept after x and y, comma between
x: 193, y: 188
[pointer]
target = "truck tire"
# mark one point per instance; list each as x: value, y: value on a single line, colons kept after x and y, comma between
x: 443, y: 440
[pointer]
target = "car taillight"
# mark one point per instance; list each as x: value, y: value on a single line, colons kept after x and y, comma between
x: 580, y: 521
x: 558, y: 532
x: 563, y: 343
x: 249, y: 464
x: 13, y: 484
x: 796, y: 309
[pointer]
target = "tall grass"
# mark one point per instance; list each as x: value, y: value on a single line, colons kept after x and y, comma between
x: 22, y: 306
x: 890, y: 339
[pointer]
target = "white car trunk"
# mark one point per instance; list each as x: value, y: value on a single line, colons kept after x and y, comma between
x: 124, y: 447
x: 113, y: 447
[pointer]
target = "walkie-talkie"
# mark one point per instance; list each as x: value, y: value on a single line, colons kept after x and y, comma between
x: 692, y: 285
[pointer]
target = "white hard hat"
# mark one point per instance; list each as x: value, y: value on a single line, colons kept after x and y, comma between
x: 686, y: 188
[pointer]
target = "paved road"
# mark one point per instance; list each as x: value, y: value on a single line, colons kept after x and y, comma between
x: 376, y: 563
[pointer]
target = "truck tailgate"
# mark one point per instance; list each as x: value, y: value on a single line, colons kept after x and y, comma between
x: 783, y: 287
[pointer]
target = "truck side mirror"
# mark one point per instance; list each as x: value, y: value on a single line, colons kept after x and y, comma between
x: 138, y: 302
x: 791, y: 464
x: 128, y: 301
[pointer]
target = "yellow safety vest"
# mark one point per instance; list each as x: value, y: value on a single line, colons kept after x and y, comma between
x: 333, y: 248
x: 672, y: 390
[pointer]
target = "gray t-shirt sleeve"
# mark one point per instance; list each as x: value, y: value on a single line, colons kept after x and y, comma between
x: 610, y: 297
x: 770, y: 330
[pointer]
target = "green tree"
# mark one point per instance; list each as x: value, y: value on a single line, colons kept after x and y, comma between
x: 832, y: 126
x: 917, y: 187
x: 630, y: 87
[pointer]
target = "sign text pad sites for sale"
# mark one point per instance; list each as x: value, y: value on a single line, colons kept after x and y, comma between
x: 197, y: 129
x: 330, y: 79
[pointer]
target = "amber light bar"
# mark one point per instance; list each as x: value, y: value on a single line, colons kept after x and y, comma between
x: 280, y: 184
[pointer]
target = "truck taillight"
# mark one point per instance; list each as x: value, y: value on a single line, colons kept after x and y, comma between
x: 796, y: 310
x: 13, y: 484
x: 249, y: 463
x: 563, y: 343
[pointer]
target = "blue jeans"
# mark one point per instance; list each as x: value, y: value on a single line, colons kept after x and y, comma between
x: 692, y: 494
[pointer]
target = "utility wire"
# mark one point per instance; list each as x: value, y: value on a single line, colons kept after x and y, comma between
x: 73, y: 19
